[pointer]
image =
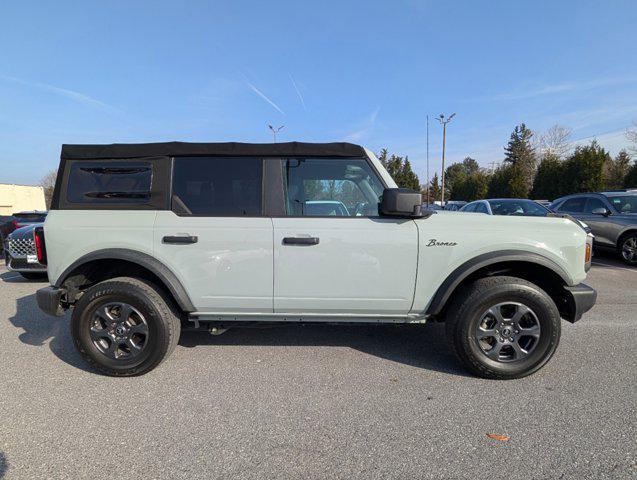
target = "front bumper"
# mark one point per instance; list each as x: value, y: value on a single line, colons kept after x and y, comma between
x: 580, y: 299
x: 50, y: 300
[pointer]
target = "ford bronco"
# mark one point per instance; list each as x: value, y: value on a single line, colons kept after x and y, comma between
x: 143, y: 240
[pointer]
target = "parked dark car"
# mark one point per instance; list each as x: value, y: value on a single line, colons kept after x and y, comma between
x: 612, y: 216
x: 21, y: 255
x: 8, y: 223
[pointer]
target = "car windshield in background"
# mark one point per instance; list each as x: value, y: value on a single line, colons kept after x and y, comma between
x: 624, y: 203
x: 30, y: 217
x: 518, y: 207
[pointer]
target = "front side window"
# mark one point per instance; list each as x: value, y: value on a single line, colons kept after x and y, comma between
x: 481, y: 208
x: 624, y: 203
x: 573, y: 205
x: 215, y: 186
x: 110, y: 182
x: 593, y: 203
x: 331, y: 188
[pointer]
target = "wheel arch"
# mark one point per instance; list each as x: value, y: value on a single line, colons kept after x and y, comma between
x: 536, y: 268
x: 628, y: 231
x: 109, y: 263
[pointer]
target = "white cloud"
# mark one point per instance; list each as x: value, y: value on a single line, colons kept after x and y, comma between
x: 366, y: 129
x: 63, y: 92
x: 298, y: 92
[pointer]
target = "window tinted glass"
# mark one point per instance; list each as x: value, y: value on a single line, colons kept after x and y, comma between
x: 518, y: 207
x: 109, y: 182
x: 30, y: 217
x: 218, y: 186
x: 592, y: 203
x: 575, y: 205
x: 481, y: 208
x: 325, y: 187
x: 624, y: 203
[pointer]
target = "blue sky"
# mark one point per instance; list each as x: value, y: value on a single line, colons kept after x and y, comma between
x: 367, y: 72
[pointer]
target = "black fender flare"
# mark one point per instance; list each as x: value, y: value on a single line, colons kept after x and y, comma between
x: 144, y: 260
x: 454, y: 279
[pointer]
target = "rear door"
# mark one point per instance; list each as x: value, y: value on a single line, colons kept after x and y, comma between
x: 216, y: 238
x: 333, y: 254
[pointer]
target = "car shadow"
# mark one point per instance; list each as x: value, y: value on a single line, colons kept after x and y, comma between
x: 37, y: 328
x: 421, y: 346
x: 14, y: 277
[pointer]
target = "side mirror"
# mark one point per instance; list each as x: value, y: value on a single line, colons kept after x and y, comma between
x: 401, y: 202
x: 601, y: 211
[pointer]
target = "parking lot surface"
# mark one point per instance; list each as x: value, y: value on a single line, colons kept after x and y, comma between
x: 320, y: 402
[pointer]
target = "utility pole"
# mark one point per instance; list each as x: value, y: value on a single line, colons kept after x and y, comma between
x: 444, y: 122
x: 275, y: 131
x: 427, y: 186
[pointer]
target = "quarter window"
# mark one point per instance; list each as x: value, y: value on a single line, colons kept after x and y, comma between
x: 110, y: 182
x: 325, y: 187
x: 214, y: 186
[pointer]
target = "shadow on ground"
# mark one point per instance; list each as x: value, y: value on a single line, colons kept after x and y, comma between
x: 4, y: 465
x: 421, y: 346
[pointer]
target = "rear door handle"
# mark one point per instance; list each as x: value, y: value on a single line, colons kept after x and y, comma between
x: 300, y: 240
x: 180, y: 239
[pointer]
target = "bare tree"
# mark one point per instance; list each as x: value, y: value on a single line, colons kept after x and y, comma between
x: 631, y: 135
x: 48, y: 183
x: 556, y: 141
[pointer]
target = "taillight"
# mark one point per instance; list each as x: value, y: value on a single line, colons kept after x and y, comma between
x: 40, y: 246
x: 15, y: 224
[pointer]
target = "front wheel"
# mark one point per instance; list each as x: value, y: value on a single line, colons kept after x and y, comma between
x: 125, y: 326
x: 628, y: 249
x: 503, y: 327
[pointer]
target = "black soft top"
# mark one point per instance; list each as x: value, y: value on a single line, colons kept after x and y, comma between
x: 173, y: 149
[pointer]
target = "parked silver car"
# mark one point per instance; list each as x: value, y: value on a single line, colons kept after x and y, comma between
x: 612, y: 216
x: 507, y: 206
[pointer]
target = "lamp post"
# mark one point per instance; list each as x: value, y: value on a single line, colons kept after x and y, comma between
x: 275, y: 131
x: 444, y: 122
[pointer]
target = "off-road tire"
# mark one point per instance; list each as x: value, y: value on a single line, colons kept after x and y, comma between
x: 466, y: 311
x: 162, y: 317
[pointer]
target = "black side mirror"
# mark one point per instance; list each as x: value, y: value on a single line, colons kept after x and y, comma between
x: 601, y: 211
x: 401, y: 202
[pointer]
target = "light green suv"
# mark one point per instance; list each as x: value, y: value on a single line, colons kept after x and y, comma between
x: 144, y: 240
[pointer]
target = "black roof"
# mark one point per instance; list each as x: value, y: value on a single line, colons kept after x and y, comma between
x: 137, y: 150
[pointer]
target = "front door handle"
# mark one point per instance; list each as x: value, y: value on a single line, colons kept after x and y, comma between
x: 180, y: 239
x: 300, y: 240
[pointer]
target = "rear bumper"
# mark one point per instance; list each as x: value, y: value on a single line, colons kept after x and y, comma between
x: 580, y: 299
x: 50, y: 300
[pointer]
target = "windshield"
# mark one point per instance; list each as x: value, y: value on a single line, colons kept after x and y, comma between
x: 518, y: 207
x: 624, y: 203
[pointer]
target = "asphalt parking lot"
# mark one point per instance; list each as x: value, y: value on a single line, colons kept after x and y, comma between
x: 320, y: 402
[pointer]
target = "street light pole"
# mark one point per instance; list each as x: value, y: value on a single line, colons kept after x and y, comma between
x: 444, y: 122
x: 275, y: 131
x: 427, y: 186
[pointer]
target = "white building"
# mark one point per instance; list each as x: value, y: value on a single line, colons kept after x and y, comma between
x: 20, y: 198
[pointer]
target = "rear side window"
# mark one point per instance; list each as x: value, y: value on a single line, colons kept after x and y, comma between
x: 573, y: 205
x: 215, y: 186
x: 112, y: 182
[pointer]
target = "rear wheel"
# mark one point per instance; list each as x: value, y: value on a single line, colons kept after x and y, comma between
x: 503, y: 327
x: 628, y: 249
x: 125, y: 326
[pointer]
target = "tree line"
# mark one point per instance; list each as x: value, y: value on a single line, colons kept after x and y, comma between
x: 534, y: 166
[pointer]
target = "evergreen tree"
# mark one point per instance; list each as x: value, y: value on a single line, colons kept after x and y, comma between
x: 400, y: 170
x: 499, y: 182
x: 616, y: 170
x: 584, y: 169
x: 519, y: 154
x: 631, y: 177
x: 519, y: 147
x: 434, y: 189
x: 548, y: 179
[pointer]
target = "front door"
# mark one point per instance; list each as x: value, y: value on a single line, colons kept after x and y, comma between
x: 333, y: 254
x: 216, y: 238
